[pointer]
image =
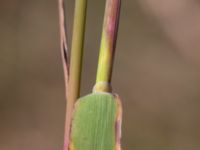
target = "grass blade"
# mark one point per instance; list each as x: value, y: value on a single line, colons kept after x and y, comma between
x: 96, y: 123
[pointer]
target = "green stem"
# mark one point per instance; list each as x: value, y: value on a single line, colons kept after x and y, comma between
x: 108, y: 44
x: 75, y: 62
x: 77, y: 48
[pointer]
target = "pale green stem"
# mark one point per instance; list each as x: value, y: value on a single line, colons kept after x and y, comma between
x: 107, y: 48
x: 75, y: 63
x: 77, y: 48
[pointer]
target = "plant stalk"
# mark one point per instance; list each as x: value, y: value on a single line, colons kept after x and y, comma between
x: 108, y: 44
x: 75, y: 63
x: 63, y: 44
x: 65, y: 61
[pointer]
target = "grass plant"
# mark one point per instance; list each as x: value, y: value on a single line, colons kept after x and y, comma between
x: 94, y: 121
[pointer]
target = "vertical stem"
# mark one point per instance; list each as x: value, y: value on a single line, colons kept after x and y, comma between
x: 65, y: 61
x: 75, y: 62
x: 63, y: 44
x: 77, y: 48
x: 108, y: 44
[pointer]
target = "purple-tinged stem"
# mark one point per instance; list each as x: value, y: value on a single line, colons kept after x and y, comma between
x: 65, y: 61
x: 108, y: 44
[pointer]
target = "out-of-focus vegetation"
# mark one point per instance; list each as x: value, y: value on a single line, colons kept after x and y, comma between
x: 157, y: 73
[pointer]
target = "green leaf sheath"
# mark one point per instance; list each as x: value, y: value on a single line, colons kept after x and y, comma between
x: 94, y: 123
x: 108, y: 42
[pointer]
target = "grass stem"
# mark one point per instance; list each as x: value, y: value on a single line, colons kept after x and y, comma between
x: 63, y: 44
x: 75, y: 62
x: 108, y: 44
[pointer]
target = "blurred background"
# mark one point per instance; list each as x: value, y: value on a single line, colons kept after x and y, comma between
x: 156, y: 73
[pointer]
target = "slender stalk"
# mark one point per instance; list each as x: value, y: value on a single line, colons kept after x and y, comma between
x: 65, y: 61
x: 108, y: 44
x: 75, y: 62
x: 63, y: 44
x: 77, y: 48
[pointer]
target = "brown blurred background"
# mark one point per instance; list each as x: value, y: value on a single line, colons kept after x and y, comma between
x: 157, y: 73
